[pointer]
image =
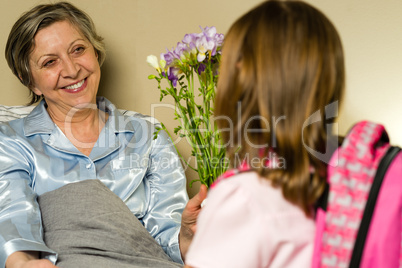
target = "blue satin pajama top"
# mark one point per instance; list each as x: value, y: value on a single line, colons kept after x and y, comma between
x: 36, y: 157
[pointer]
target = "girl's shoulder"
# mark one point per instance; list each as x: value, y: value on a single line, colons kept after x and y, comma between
x: 230, y: 174
x: 247, y: 188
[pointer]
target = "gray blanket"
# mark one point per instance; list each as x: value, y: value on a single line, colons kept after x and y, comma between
x: 90, y: 227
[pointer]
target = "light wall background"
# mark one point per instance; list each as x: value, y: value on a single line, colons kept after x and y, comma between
x: 133, y: 29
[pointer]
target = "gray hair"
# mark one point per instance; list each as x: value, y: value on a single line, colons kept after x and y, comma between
x: 21, y: 40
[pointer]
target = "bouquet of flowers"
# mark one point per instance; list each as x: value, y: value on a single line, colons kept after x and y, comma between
x: 194, y: 59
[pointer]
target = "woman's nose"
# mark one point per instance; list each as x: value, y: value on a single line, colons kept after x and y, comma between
x: 70, y: 68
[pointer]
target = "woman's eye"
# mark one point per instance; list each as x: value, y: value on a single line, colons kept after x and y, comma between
x: 79, y: 49
x: 48, y: 63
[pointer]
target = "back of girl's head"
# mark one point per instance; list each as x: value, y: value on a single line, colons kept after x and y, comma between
x: 282, y: 61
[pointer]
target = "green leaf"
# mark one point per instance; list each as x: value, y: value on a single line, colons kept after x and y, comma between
x: 191, y: 183
x: 177, y: 129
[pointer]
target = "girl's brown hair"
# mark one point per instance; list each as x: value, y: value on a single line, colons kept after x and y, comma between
x: 281, y: 63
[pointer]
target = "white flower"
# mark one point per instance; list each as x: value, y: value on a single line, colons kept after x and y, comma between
x: 153, y: 61
x: 203, y: 45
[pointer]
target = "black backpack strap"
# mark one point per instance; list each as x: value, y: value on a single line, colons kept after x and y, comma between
x: 322, y: 201
x: 369, y: 209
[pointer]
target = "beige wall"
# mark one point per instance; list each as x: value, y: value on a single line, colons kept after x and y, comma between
x: 370, y: 30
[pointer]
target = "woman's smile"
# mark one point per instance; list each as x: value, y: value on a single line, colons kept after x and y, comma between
x: 77, y: 87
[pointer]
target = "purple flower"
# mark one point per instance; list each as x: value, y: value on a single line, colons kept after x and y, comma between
x: 168, y: 57
x: 180, y: 51
x: 195, y: 45
x: 189, y: 38
x: 219, y: 39
x: 201, y: 68
x: 209, y: 32
x: 172, y: 75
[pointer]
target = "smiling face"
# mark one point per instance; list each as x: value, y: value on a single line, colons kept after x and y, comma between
x: 64, y: 67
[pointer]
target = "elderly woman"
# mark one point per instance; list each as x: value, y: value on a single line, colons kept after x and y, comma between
x: 73, y: 135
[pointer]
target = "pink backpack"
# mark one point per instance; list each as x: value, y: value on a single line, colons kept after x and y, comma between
x: 359, y: 222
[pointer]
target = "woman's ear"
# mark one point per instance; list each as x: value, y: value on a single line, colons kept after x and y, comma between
x: 36, y: 91
x: 31, y: 88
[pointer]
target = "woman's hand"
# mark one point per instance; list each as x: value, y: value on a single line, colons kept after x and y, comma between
x: 189, y: 220
x: 27, y: 259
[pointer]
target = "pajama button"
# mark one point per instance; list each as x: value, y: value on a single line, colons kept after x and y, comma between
x: 88, y: 166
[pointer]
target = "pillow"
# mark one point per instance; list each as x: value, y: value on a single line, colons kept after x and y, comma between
x: 8, y: 113
x: 91, y: 227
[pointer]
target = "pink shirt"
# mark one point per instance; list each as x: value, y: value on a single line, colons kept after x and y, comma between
x: 247, y: 223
